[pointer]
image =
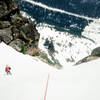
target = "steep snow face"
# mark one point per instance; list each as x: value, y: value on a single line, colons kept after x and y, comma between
x: 29, y: 78
x: 76, y: 83
x: 69, y: 48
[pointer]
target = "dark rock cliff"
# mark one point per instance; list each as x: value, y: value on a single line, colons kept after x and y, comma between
x: 15, y: 30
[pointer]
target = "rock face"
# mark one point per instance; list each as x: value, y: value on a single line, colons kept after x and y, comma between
x: 95, y: 54
x: 15, y: 30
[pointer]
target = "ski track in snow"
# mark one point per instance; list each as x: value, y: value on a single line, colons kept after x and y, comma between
x: 59, y: 10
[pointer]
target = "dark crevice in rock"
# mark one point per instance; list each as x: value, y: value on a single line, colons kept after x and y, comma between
x: 7, y: 15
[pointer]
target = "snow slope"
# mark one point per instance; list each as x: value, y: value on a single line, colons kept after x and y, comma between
x: 29, y: 77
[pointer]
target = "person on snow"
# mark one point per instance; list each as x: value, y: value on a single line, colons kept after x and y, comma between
x: 7, y: 70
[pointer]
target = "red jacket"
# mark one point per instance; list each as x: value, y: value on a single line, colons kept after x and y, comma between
x: 7, y: 69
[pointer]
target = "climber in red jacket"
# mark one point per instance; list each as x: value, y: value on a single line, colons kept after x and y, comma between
x: 7, y: 70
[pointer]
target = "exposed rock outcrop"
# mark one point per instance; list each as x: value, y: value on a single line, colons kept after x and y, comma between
x: 15, y: 30
x: 95, y: 54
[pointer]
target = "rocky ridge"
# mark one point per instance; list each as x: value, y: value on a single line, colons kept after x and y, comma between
x: 17, y: 31
x: 20, y: 32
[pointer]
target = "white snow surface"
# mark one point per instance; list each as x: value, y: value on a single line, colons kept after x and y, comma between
x: 29, y: 77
